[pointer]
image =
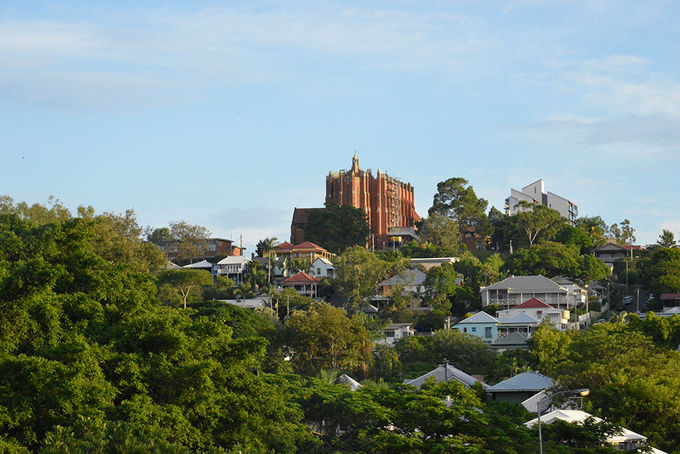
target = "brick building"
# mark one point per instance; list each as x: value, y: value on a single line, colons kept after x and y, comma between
x: 387, y: 202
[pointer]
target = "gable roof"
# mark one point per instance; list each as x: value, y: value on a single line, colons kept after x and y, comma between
x: 526, y: 381
x: 346, y: 379
x: 234, y: 260
x: 324, y: 260
x: 578, y: 416
x: 533, y: 303
x: 479, y: 317
x: 300, y: 215
x: 519, y: 284
x: 440, y: 374
x: 203, y: 264
x: 300, y: 278
x: 410, y: 277
x: 285, y: 246
x: 307, y: 245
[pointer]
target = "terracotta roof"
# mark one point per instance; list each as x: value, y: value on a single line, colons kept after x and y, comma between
x: 285, y: 246
x: 533, y: 303
x: 301, y: 278
x: 307, y: 245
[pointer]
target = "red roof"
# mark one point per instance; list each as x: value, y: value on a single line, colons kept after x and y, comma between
x: 285, y: 246
x: 533, y: 303
x: 300, y: 279
x: 670, y: 296
x: 308, y: 245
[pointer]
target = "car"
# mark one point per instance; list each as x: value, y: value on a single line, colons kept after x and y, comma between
x: 651, y: 297
x: 627, y: 299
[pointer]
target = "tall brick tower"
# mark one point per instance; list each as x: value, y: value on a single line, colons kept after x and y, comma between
x: 386, y: 201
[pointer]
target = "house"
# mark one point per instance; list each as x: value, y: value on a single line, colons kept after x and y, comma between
x: 202, y: 265
x: 611, y: 252
x: 520, y: 323
x: 445, y: 373
x: 539, y: 311
x: 411, y: 281
x: 514, y: 290
x: 535, y: 194
x: 431, y: 262
x: 233, y: 267
x: 511, y: 341
x: 349, y: 381
x: 627, y: 440
x: 670, y: 299
x: 398, y: 236
x: 259, y: 302
x: 520, y: 387
x: 481, y: 325
x: 306, y: 251
x: 395, y: 331
x: 322, y: 267
x: 303, y: 283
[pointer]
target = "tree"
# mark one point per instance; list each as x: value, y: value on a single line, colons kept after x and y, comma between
x: 337, y: 227
x: 185, y: 281
x: 324, y: 337
x: 160, y: 236
x: 662, y: 272
x: 546, y: 258
x: 622, y: 232
x: 358, y: 272
x: 440, y: 230
x: 595, y: 228
x: 503, y: 230
x: 456, y: 199
x: 666, y: 239
x: 265, y: 246
x: 189, y: 239
x: 538, y: 222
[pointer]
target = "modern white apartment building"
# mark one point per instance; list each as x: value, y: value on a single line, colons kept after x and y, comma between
x: 535, y: 194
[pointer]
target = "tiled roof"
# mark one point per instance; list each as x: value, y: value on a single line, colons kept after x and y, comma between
x: 285, y: 246
x: 533, y: 303
x: 300, y: 278
x: 307, y: 245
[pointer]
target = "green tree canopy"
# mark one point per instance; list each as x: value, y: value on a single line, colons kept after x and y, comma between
x: 455, y: 198
x: 337, y: 227
x: 666, y: 239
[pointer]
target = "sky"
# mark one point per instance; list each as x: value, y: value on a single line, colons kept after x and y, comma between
x: 230, y: 114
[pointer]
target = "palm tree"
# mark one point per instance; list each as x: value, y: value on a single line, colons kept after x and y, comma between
x: 265, y: 246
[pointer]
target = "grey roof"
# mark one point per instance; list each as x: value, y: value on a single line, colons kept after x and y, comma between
x: 203, y: 264
x: 520, y: 318
x: 527, y: 381
x: 440, y: 375
x: 252, y: 303
x: 527, y: 284
x: 511, y: 339
x: 172, y: 266
x: 561, y: 280
x: 346, y: 379
x: 234, y: 260
x: 479, y: 317
x: 408, y: 278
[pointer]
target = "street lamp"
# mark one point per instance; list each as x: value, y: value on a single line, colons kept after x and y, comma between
x: 583, y: 392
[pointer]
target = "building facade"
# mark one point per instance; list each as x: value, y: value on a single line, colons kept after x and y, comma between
x: 387, y: 202
x: 535, y: 194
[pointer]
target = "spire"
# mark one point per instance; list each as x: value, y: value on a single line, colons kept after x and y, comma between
x: 355, y: 163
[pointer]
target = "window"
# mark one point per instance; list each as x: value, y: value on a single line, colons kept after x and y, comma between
x: 474, y: 329
x: 487, y: 332
x: 465, y: 330
x: 318, y: 271
x: 389, y: 333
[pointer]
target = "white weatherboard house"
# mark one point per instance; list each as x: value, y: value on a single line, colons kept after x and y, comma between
x: 233, y: 267
x: 394, y: 332
x: 537, y: 310
x: 515, y: 290
x: 322, y: 267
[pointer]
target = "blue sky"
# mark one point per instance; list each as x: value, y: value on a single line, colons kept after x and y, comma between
x: 230, y: 114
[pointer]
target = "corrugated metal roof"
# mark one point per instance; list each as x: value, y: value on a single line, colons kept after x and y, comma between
x: 440, y: 374
x: 479, y: 317
x: 526, y: 381
x: 533, y: 284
